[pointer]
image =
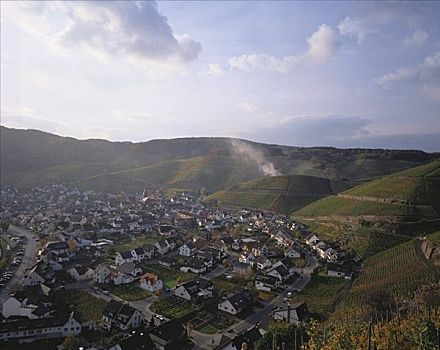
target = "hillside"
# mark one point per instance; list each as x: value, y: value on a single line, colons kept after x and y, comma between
x: 30, y: 158
x: 283, y: 194
x: 407, y: 195
x: 398, y: 271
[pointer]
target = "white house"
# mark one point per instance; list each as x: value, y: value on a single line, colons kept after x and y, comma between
x: 294, y: 313
x: 236, y: 303
x: 121, y: 316
x: 124, y: 257
x: 195, y: 290
x: 102, y: 274
x: 162, y: 246
x: 188, y: 249
x: 266, y: 283
x: 32, y: 277
x: 46, y: 328
x: 279, y: 272
x: 150, y: 282
x: 81, y: 273
x: 292, y: 253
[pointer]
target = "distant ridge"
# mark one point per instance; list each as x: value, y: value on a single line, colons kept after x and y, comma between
x: 30, y: 158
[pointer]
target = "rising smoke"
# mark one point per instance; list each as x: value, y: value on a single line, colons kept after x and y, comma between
x: 247, y: 152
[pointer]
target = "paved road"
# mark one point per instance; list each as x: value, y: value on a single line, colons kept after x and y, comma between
x: 27, y: 262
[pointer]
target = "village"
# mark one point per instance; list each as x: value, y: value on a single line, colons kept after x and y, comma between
x: 118, y: 271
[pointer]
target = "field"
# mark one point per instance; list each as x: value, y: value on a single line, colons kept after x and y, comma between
x: 173, y: 307
x: 329, y: 231
x: 283, y: 194
x: 89, y: 307
x: 136, y: 243
x: 322, y: 294
x: 394, y: 272
x: 211, y: 323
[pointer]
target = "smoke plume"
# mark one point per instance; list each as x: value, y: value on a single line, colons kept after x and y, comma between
x: 247, y: 152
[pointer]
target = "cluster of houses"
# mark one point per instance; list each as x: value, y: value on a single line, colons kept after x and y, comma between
x: 77, y: 227
x: 336, y: 267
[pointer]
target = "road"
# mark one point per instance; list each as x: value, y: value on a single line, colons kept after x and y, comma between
x: 27, y: 262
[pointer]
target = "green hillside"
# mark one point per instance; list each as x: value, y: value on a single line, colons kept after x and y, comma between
x: 30, y: 157
x: 410, y: 194
x: 210, y: 172
x: 283, y: 194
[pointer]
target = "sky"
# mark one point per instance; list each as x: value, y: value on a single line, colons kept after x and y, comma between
x: 343, y: 74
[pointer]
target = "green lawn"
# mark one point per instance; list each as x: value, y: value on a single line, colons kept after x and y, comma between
x: 169, y: 276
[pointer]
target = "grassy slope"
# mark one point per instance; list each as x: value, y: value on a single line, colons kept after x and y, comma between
x: 279, y: 193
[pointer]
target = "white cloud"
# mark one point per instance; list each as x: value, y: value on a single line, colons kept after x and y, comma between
x: 400, y: 74
x: 250, y: 106
x: 418, y: 38
x: 214, y: 69
x: 355, y: 27
x: 426, y: 75
x: 373, y: 16
x: 322, y: 44
x: 107, y: 29
x: 266, y: 63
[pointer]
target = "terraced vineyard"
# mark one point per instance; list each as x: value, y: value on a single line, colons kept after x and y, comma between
x: 407, y: 196
x: 396, y: 271
x: 283, y: 194
x: 336, y: 206
x: 322, y: 293
x: 375, y: 242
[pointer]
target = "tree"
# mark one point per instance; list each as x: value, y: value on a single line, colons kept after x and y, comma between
x: 70, y: 343
x: 71, y: 244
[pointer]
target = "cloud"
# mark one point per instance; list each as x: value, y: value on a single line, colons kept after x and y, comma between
x: 372, y: 17
x: 426, y: 76
x: 323, y: 43
x: 418, y: 38
x: 249, y: 106
x: 311, y: 130
x: 214, y: 70
x: 107, y: 29
x: 356, y: 27
x: 256, y: 62
x: 401, y: 74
